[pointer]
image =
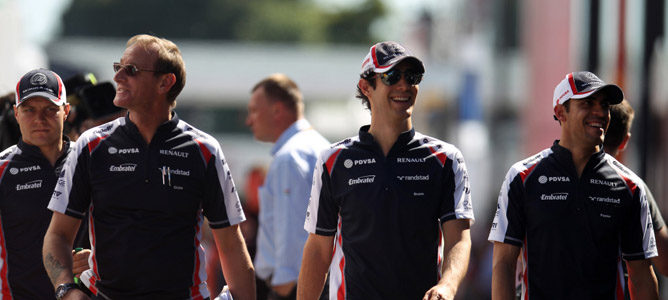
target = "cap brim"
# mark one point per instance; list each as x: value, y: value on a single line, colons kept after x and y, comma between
x: 416, y: 61
x: 615, y: 95
x: 53, y: 99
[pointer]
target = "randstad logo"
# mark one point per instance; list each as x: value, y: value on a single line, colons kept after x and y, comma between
x: 123, y: 168
x: 362, y: 179
x: 29, y: 185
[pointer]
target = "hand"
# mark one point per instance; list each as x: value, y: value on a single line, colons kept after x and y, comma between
x: 75, y: 294
x: 439, y: 292
x: 80, y: 261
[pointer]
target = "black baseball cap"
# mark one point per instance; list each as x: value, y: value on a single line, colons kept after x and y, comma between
x: 41, y: 83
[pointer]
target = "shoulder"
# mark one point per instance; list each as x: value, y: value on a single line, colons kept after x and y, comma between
x: 8, y: 154
x: 632, y: 180
x: 524, y: 167
x: 93, y: 136
x: 437, y: 146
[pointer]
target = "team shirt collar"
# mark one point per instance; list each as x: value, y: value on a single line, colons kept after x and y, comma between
x: 34, y: 151
x: 297, y: 126
x: 565, y: 157
x: 404, y: 138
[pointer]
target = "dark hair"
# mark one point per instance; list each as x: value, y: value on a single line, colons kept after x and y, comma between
x: 168, y: 60
x: 280, y: 87
x: 621, y: 118
x: 371, y: 79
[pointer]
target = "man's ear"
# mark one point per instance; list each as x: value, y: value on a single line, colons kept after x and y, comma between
x: 168, y: 80
x: 625, y: 142
x: 560, y: 113
x: 364, y: 86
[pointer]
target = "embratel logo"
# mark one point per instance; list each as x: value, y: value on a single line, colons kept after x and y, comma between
x: 29, y: 185
x: 554, y: 197
x: 362, y: 179
x: 123, y: 168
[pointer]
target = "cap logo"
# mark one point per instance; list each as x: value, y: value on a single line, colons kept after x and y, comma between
x: 38, y: 79
x: 390, y: 51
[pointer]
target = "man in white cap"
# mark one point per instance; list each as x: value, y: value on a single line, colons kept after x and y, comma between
x: 383, y: 201
x: 28, y: 175
x: 573, y: 210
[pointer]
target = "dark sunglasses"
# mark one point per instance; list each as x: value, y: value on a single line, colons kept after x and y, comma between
x: 393, y: 76
x: 131, y: 70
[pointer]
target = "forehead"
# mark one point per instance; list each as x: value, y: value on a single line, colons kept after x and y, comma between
x: 139, y: 55
x: 37, y: 102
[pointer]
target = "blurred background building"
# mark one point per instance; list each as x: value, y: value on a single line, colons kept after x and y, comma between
x: 491, y: 69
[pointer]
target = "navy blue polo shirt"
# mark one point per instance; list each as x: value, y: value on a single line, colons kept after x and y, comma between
x: 386, y: 213
x: 146, y: 205
x: 573, y: 230
x: 27, y: 180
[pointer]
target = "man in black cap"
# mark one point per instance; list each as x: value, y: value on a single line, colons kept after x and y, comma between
x: 382, y: 201
x: 28, y: 175
x: 573, y: 210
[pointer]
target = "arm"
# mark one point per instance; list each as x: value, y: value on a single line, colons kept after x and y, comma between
x: 504, y: 262
x: 661, y: 262
x: 456, y: 253
x: 235, y: 262
x: 57, y: 251
x: 642, y: 281
x: 315, y: 262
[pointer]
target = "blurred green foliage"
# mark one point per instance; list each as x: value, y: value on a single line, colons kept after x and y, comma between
x: 254, y: 20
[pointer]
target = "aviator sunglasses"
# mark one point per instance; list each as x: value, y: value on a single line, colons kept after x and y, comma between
x: 393, y: 76
x: 131, y: 70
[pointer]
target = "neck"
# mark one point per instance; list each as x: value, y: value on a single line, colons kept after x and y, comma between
x: 580, y: 154
x: 386, y: 134
x: 53, y: 152
x: 148, y: 123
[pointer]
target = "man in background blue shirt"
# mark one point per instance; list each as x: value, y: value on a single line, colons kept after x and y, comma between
x: 276, y: 115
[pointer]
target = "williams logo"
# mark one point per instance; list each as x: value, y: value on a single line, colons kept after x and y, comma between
x: 175, y: 153
x: 29, y: 186
x: 123, y: 168
x: 363, y: 179
x: 554, y: 197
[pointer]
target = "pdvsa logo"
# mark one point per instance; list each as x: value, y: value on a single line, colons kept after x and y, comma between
x: 349, y: 163
x: 362, y: 179
x: 544, y: 179
x: 114, y: 150
x: 123, y: 168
